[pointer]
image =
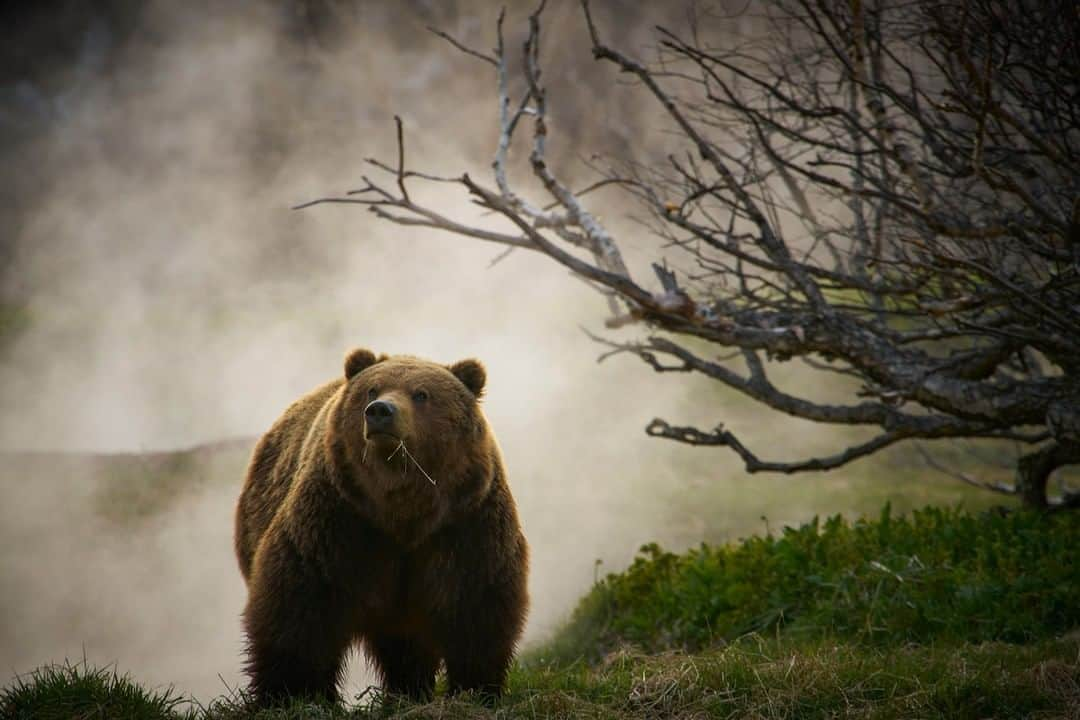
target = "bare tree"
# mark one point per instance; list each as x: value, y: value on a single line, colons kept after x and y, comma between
x: 882, y: 190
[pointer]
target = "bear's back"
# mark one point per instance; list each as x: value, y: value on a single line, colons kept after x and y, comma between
x: 272, y: 469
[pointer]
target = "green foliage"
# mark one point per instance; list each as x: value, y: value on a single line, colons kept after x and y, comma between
x: 137, y: 488
x: 62, y: 692
x: 936, y: 575
x: 14, y: 320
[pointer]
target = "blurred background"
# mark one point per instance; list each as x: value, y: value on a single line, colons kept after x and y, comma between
x: 161, y: 304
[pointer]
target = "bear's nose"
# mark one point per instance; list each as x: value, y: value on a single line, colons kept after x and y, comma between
x: 380, y: 414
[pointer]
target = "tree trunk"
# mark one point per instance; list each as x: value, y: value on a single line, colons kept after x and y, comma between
x: 1034, y: 469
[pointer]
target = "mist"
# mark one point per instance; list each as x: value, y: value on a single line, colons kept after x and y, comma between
x: 166, y: 296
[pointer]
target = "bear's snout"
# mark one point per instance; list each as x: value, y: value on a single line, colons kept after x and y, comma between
x: 380, y: 416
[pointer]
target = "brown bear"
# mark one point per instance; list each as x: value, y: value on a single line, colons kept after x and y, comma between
x: 376, y: 511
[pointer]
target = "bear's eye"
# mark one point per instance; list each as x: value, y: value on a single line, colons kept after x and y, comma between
x: 372, y: 394
x: 419, y: 396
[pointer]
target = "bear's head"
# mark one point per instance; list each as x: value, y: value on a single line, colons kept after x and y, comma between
x: 408, y: 421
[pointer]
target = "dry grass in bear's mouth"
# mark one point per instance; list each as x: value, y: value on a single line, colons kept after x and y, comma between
x: 409, y: 456
x: 406, y: 458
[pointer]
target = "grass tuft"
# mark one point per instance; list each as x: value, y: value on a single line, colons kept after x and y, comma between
x: 63, y: 692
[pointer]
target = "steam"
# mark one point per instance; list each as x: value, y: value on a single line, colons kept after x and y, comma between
x: 173, y: 299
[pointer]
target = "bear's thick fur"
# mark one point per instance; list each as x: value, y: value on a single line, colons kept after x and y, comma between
x: 377, y: 511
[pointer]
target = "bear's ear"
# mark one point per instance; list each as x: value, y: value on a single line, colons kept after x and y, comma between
x: 470, y: 372
x: 357, y: 361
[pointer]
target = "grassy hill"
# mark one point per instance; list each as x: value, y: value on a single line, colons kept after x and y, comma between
x: 934, y: 576
x: 939, y: 614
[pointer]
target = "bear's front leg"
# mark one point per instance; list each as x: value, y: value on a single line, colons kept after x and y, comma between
x: 479, y: 645
x: 406, y: 665
x: 480, y: 624
x: 481, y: 670
x: 296, y: 627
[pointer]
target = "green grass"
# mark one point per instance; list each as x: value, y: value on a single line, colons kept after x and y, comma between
x: 752, y: 678
x: 777, y: 679
x: 937, y: 575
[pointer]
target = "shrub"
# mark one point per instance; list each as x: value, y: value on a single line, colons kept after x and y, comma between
x: 936, y: 575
